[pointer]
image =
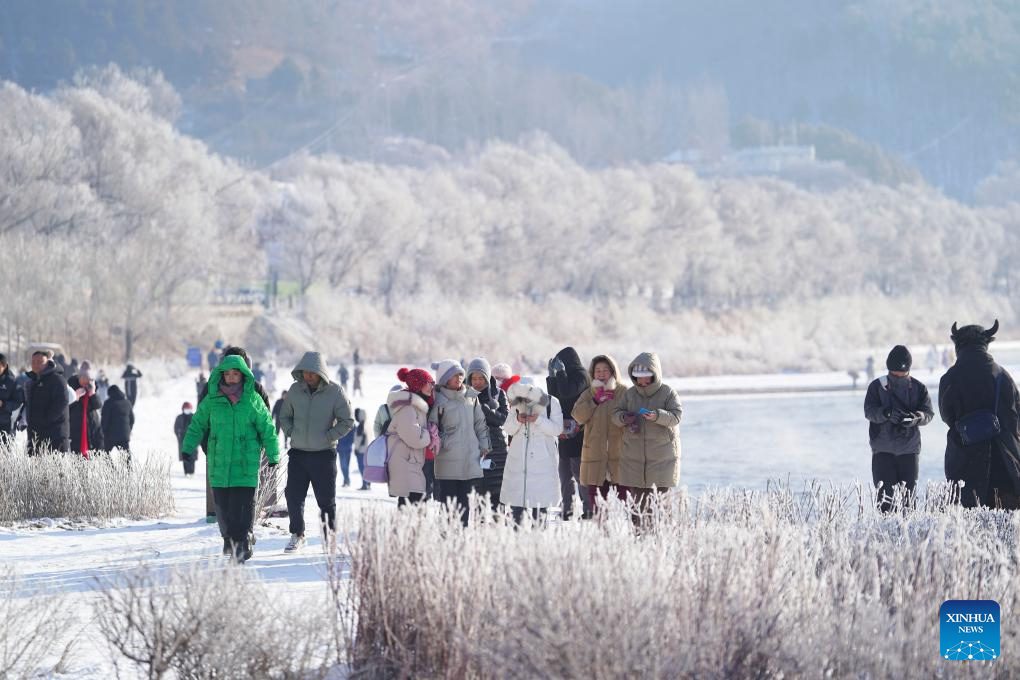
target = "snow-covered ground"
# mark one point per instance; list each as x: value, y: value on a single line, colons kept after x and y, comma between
x: 739, y: 440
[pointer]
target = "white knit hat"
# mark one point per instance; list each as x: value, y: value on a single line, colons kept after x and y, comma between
x: 502, y: 372
x: 446, y: 369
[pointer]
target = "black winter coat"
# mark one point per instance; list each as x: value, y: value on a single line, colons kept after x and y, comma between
x: 95, y: 425
x: 118, y: 420
x: 567, y: 386
x: 46, y: 396
x: 181, y: 424
x: 992, y: 468
x: 11, y: 396
x: 495, y: 408
x: 130, y: 377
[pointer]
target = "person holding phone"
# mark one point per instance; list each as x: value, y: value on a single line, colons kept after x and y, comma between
x: 85, y: 413
x: 531, y: 476
x: 649, y: 414
x: 896, y: 405
x: 603, y: 440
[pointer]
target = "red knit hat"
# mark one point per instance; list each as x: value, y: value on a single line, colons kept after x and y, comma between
x: 415, y: 378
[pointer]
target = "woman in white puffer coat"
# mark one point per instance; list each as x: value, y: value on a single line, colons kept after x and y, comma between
x: 531, y: 477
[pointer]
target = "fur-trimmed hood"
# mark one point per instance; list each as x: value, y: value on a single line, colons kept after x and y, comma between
x: 400, y: 398
x: 612, y: 383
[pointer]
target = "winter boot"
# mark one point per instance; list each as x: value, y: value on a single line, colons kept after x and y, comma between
x: 297, y: 541
x: 242, y: 552
x: 228, y: 549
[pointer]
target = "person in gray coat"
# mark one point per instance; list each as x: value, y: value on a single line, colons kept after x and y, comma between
x: 315, y: 415
x: 464, y: 435
x: 896, y: 405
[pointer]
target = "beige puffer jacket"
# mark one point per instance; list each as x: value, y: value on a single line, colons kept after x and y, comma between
x: 651, y: 455
x: 407, y: 437
x: 603, y: 439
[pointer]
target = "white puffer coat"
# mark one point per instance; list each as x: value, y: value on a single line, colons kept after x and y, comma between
x: 531, y: 477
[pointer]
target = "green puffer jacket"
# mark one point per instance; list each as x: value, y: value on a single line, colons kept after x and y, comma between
x: 237, y: 432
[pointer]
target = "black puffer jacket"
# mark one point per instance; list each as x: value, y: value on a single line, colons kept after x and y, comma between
x: 118, y: 420
x: 495, y: 408
x: 567, y: 386
x: 46, y: 395
x: 990, y: 468
x: 94, y: 424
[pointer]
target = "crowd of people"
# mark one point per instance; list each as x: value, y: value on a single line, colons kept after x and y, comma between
x: 81, y: 413
x: 449, y: 432
x: 590, y: 432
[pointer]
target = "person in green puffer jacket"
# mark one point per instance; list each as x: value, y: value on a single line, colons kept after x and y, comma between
x: 239, y: 426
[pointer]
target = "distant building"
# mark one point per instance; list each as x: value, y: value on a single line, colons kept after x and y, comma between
x: 757, y: 160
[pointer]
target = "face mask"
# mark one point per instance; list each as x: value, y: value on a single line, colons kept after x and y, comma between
x: 188, y: 411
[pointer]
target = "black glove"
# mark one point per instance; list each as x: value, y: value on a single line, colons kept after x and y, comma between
x: 888, y: 414
x: 911, y: 419
x: 556, y: 366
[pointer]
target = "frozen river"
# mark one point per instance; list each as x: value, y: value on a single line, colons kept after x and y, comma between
x: 748, y: 440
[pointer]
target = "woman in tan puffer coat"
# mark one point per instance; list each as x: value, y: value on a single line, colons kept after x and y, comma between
x: 603, y: 439
x: 649, y: 414
x: 409, y: 435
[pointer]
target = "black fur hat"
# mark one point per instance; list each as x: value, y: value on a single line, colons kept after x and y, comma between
x: 973, y: 336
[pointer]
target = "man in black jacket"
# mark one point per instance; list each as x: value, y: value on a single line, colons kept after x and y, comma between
x: 896, y: 406
x: 46, y: 398
x: 568, y: 379
x: 11, y: 398
x: 990, y: 469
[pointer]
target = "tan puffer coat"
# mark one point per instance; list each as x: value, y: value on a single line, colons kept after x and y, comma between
x: 603, y: 439
x: 651, y: 454
x: 408, y: 435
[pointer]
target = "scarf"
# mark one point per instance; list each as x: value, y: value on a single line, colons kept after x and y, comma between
x: 232, y: 392
x: 85, y: 426
x: 428, y: 400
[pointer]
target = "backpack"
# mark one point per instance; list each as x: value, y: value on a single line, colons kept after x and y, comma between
x: 377, y: 456
x: 982, y: 425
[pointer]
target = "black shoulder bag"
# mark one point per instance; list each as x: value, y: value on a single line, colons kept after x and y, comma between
x: 983, y: 425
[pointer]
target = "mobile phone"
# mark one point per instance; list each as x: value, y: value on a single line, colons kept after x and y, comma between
x: 644, y: 411
x: 486, y: 463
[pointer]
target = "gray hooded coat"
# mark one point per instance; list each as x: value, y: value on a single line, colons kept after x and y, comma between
x: 315, y: 420
x: 464, y: 432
